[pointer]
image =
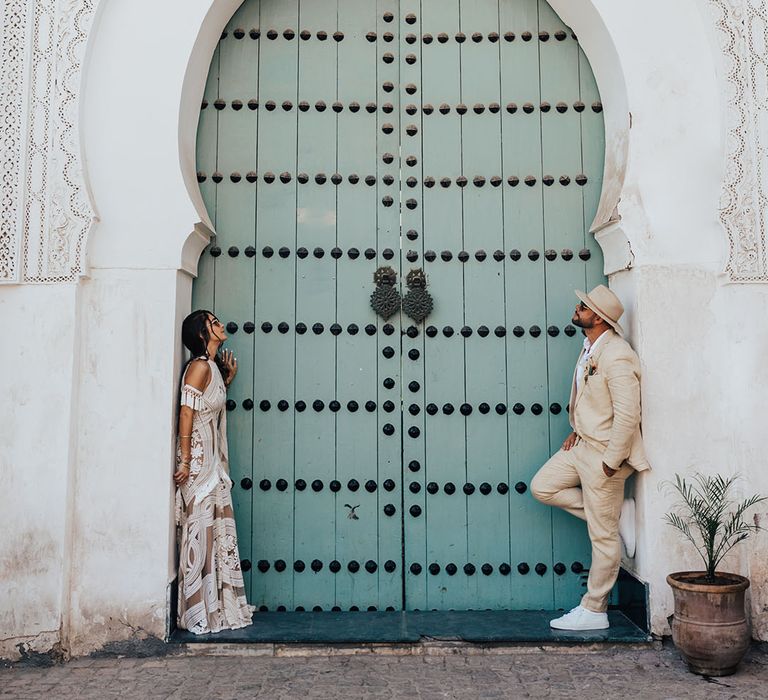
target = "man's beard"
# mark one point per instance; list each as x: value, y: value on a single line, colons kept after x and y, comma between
x: 576, y: 321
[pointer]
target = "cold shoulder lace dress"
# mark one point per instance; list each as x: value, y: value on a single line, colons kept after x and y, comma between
x: 211, y: 589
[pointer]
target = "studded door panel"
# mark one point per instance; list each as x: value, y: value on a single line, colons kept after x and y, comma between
x: 385, y: 463
x: 502, y: 195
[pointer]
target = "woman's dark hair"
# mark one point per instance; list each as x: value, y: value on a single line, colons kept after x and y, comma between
x: 195, y: 334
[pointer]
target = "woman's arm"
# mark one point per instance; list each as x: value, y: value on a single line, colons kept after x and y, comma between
x: 198, y: 375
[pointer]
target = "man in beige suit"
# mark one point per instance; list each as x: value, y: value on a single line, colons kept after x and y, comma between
x: 586, y: 477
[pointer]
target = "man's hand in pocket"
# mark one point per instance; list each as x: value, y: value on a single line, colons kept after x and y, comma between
x: 570, y: 441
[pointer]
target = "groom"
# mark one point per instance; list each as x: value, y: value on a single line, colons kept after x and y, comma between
x: 586, y: 477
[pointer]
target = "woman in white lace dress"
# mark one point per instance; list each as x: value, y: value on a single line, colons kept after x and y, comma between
x: 211, y: 589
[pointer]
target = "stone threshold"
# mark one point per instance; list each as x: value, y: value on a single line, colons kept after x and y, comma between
x: 408, y: 632
x: 418, y: 649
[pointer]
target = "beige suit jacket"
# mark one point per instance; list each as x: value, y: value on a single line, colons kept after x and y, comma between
x: 606, y: 410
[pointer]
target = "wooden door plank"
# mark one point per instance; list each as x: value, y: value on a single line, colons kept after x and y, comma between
x: 235, y: 220
x: 528, y: 430
x: 388, y: 164
x: 485, y: 372
x: 206, y: 155
x: 564, y: 236
x: 593, y: 161
x: 445, y: 461
x: 274, y: 316
x: 414, y: 431
x: 358, y: 536
x: 314, y: 517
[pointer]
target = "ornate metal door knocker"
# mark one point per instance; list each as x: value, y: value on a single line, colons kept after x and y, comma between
x: 418, y: 302
x: 385, y: 299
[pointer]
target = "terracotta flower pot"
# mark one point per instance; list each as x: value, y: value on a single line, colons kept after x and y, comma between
x: 709, y: 627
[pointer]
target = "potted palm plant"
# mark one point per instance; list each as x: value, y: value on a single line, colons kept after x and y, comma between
x: 709, y: 627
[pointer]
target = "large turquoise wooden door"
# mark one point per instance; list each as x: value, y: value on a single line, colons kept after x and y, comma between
x: 384, y: 464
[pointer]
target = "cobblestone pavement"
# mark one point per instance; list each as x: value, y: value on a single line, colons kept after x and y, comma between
x: 496, y: 673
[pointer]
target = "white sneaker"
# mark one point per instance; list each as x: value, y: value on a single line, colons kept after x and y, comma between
x: 627, y: 526
x: 580, y: 619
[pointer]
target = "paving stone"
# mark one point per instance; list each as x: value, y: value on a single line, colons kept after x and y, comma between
x: 639, y: 674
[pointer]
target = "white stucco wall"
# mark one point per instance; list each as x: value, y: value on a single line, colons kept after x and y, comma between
x: 92, y: 370
x: 37, y: 358
x: 122, y: 551
x: 704, y: 375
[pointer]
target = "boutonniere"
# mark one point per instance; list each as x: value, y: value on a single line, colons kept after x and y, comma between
x: 590, y: 368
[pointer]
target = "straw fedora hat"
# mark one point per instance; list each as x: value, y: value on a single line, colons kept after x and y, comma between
x: 605, y: 304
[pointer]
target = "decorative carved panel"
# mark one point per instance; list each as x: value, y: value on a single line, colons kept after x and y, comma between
x: 12, y: 62
x: 46, y: 214
x: 741, y: 26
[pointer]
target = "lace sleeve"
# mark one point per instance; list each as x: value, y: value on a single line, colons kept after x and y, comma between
x: 192, y: 397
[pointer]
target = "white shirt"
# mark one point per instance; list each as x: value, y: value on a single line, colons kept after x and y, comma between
x: 589, y: 349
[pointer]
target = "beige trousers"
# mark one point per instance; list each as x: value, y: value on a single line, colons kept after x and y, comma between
x: 575, y: 481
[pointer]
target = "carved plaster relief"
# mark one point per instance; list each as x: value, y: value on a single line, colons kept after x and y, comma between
x: 46, y: 214
x: 742, y: 28
x: 12, y: 57
x: 57, y: 213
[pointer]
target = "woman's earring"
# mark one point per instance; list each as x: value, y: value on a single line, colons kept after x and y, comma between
x: 385, y: 300
x: 418, y: 302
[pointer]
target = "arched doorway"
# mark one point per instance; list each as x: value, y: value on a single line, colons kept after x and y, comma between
x: 384, y: 463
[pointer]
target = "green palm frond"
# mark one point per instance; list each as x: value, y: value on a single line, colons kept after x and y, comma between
x: 709, y: 517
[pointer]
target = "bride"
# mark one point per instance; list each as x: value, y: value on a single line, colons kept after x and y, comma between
x: 211, y: 590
